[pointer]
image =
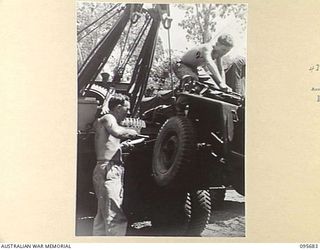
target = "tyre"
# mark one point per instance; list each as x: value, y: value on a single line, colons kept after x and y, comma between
x: 198, y: 210
x: 174, y: 152
x: 181, y: 214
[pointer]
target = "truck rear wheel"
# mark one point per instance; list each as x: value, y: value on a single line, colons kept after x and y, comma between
x: 181, y: 214
x: 174, y: 152
x: 198, y: 210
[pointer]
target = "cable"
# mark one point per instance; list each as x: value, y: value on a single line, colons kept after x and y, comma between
x: 136, y: 42
x: 170, y: 64
x: 97, y: 27
x: 115, y: 6
x: 94, y: 49
x: 124, y: 44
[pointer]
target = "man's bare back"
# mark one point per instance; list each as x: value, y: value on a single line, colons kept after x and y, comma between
x: 195, y: 57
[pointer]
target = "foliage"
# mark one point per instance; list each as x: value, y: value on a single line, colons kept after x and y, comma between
x: 87, y: 12
x: 200, y: 20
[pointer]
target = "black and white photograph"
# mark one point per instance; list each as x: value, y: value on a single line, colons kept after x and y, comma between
x: 161, y: 119
x: 140, y: 123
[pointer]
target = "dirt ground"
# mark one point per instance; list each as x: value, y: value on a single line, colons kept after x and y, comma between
x: 228, y: 220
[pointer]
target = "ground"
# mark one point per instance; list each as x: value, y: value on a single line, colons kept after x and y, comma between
x: 229, y: 220
x: 226, y: 221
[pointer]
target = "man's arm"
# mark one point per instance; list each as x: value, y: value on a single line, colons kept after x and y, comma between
x: 212, y: 67
x: 216, y: 70
x: 221, y: 71
x: 111, y: 125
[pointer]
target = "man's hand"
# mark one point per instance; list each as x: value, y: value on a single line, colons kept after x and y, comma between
x: 225, y: 88
x: 126, y: 146
x: 132, y: 133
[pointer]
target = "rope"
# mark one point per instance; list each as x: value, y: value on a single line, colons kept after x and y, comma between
x: 115, y: 6
x: 136, y: 42
x: 94, y: 49
x: 104, y: 60
x: 170, y: 64
x: 97, y: 27
x: 124, y: 44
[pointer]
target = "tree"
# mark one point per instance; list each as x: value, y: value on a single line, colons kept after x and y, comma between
x: 87, y: 13
x: 201, y: 19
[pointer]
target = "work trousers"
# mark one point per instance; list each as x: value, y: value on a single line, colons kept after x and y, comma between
x: 108, y: 185
x: 235, y: 75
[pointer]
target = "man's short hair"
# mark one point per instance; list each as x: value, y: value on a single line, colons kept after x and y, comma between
x: 226, y: 39
x: 117, y: 99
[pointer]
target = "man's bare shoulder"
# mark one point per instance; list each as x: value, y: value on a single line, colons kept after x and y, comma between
x: 106, y: 121
x: 109, y: 122
x: 107, y: 118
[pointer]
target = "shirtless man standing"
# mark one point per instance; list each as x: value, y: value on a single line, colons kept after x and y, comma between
x: 209, y: 57
x: 108, y: 173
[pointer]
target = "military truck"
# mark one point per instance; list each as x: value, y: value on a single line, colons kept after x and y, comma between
x: 196, y: 143
x: 193, y: 145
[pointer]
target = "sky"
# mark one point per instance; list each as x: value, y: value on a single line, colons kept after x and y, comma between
x: 177, y: 34
x: 178, y: 39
